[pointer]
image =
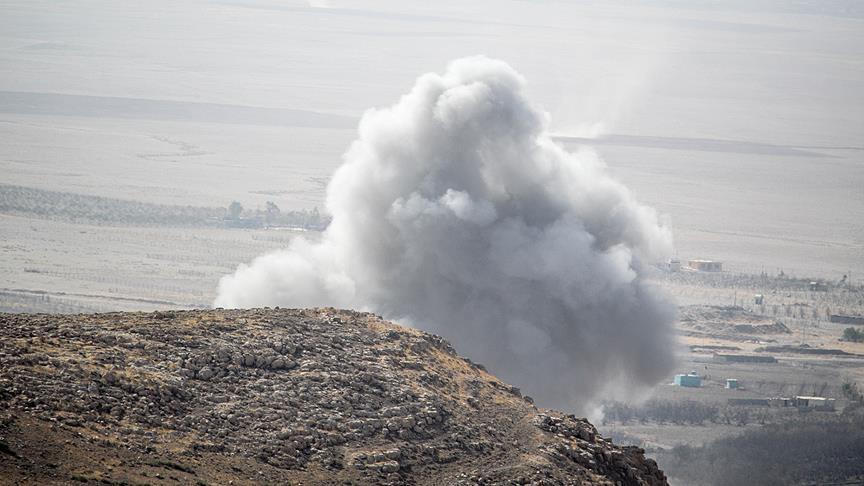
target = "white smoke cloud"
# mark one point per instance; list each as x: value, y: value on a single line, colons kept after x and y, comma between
x: 455, y: 212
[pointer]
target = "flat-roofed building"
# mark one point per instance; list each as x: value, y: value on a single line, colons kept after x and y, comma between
x: 690, y: 380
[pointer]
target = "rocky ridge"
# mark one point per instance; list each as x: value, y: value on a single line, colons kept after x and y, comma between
x: 316, y: 396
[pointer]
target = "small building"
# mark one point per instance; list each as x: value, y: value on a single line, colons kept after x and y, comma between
x: 758, y: 299
x: 818, y: 287
x: 731, y: 384
x: 673, y: 265
x: 821, y: 404
x: 690, y: 380
x: 706, y: 265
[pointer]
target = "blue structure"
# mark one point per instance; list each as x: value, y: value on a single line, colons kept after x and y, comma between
x: 691, y: 380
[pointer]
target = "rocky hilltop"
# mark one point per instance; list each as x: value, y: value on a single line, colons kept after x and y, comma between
x: 317, y: 396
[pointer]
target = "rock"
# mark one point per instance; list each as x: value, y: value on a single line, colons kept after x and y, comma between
x: 205, y: 373
x: 366, y: 402
x: 393, y: 454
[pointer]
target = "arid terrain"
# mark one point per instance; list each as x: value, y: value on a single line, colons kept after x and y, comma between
x: 275, y: 396
x: 797, y: 352
x: 67, y: 267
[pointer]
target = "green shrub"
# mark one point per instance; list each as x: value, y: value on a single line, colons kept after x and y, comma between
x: 853, y: 335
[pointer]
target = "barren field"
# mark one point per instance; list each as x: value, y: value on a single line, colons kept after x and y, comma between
x: 59, y: 267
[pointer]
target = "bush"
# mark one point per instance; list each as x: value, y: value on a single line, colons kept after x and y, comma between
x: 853, y: 335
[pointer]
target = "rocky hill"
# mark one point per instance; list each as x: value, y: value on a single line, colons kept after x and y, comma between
x: 317, y: 396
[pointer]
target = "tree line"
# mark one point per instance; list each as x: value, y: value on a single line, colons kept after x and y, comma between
x: 79, y: 208
x: 810, y: 449
x: 687, y: 412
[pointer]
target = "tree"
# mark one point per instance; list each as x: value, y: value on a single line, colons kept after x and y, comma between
x: 235, y: 209
x: 272, y: 212
x: 853, y: 394
x: 853, y: 335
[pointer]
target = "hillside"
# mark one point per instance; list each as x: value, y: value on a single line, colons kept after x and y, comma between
x: 316, y: 396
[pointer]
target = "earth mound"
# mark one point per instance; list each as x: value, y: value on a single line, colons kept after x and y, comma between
x: 728, y: 322
x: 316, y: 396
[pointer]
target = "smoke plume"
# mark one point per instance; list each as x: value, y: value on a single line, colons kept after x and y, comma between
x: 456, y: 213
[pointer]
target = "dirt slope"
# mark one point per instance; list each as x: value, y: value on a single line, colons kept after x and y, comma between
x: 316, y: 396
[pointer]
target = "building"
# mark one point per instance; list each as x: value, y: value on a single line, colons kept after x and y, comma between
x: 706, y: 265
x: 821, y: 404
x: 673, y: 265
x: 780, y: 402
x: 818, y: 287
x: 731, y: 384
x: 804, y: 403
x: 690, y: 380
